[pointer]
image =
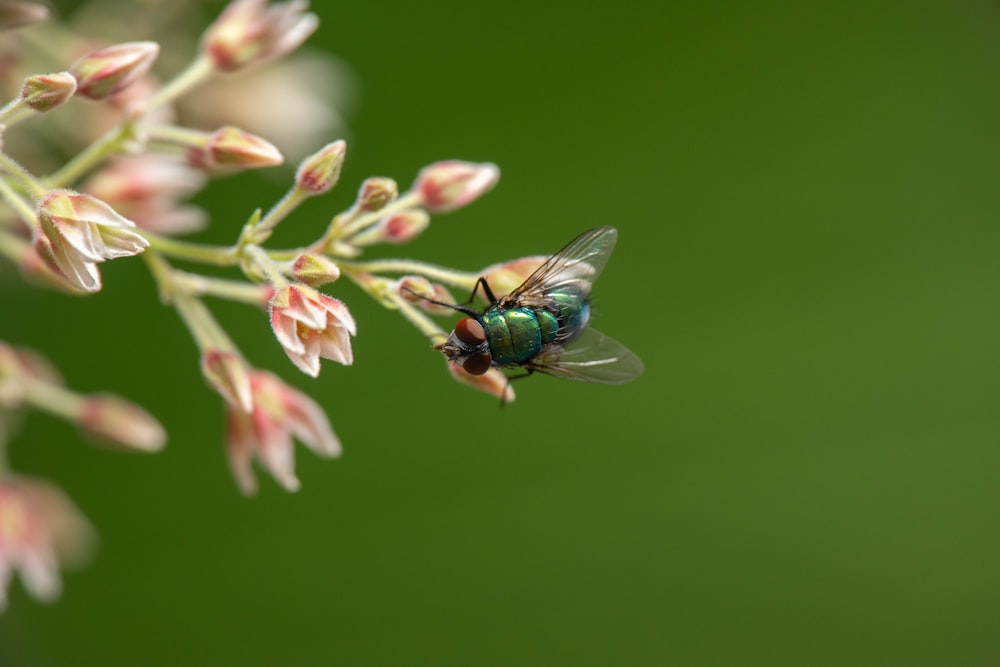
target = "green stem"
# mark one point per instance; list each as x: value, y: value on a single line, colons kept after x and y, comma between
x: 429, y: 271
x: 176, y: 136
x: 52, y: 398
x: 24, y: 177
x: 108, y: 144
x: 203, y: 327
x: 195, y: 252
x: 263, y: 261
x: 12, y: 247
x: 233, y: 290
x: 287, y: 204
x: 197, y: 71
x: 16, y: 201
x: 14, y: 112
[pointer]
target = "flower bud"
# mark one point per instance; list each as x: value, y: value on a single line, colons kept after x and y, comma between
x: 230, y: 147
x: 112, y: 69
x: 228, y: 374
x: 15, y: 14
x: 446, y: 186
x: 506, y: 277
x: 417, y: 290
x: 319, y: 172
x: 493, y: 381
x: 81, y: 231
x: 397, y: 228
x: 44, y: 92
x: 376, y: 192
x: 121, y: 422
x: 314, y: 270
x: 249, y: 32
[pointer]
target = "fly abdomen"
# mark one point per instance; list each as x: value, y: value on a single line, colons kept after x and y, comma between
x: 514, y: 335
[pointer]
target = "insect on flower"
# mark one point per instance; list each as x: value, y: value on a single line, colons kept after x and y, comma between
x: 543, y: 324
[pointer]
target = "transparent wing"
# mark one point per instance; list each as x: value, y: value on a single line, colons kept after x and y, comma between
x: 579, y: 263
x: 592, y: 357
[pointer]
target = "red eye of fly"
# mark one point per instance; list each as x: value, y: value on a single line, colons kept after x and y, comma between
x: 471, y: 333
x: 477, y: 364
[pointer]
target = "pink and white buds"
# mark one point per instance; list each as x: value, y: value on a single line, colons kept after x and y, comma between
x: 446, y: 186
x: 250, y: 32
x: 110, y: 70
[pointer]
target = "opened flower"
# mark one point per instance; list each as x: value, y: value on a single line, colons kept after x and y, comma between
x: 310, y: 325
x: 265, y: 433
x: 41, y: 531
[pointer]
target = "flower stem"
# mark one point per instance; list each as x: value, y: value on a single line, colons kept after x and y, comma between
x: 429, y: 271
x: 52, y: 398
x: 263, y: 261
x: 108, y: 144
x: 195, y: 252
x: 17, y: 202
x: 197, y: 71
x: 24, y: 177
x: 287, y: 204
x: 12, y: 247
x: 233, y: 290
x: 205, y: 330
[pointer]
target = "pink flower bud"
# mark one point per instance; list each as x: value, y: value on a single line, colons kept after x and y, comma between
x: 397, y: 228
x: 376, y: 192
x: 506, y: 277
x: 228, y: 374
x: 265, y: 433
x: 121, y: 422
x: 310, y: 325
x: 314, y: 270
x: 249, y: 32
x: 81, y: 231
x: 45, y: 92
x: 446, y: 186
x: 231, y: 148
x: 15, y: 14
x: 417, y: 289
x: 493, y: 381
x: 319, y: 172
x: 110, y: 70
x: 41, y: 532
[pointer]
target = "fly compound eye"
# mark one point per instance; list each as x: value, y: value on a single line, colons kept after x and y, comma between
x: 477, y: 364
x: 470, y: 332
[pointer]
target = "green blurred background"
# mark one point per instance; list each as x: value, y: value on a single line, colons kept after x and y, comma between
x: 807, y: 201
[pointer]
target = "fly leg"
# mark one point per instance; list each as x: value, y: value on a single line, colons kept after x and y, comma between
x: 462, y: 307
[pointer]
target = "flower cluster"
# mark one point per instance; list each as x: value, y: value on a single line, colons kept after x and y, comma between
x: 124, y: 192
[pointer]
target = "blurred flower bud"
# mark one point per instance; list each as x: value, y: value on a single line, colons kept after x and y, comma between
x: 417, y: 290
x: 44, y: 92
x: 228, y: 374
x: 81, y: 231
x: 279, y: 412
x: 446, y: 186
x: 397, y: 228
x: 376, y: 192
x: 231, y: 148
x: 41, y: 531
x: 121, y: 422
x: 493, y: 381
x: 314, y: 270
x: 319, y: 172
x: 146, y: 190
x: 506, y: 277
x: 110, y: 70
x: 249, y: 32
x: 15, y: 14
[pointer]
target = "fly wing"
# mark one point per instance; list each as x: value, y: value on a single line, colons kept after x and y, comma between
x: 579, y: 264
x: 592, y: 357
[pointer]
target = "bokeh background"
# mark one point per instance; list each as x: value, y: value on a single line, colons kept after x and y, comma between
x: 807, y: 473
